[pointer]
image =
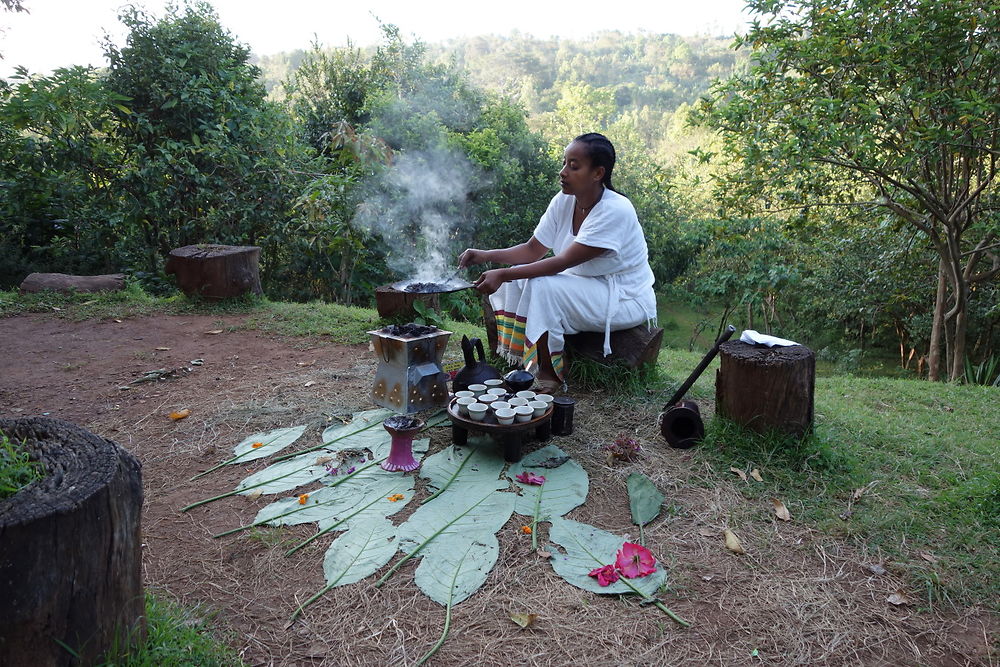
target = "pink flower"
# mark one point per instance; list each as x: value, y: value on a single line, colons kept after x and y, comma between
x: 606, y: 575
x: 635, y: 561
x: 530, y: 478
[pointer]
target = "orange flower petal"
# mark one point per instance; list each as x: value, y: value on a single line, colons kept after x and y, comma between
x: 526, y: 530
x: 303, y: 498
x: 257, y: 444
x: 179, y: 414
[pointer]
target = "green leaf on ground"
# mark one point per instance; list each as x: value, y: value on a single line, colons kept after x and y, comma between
x: 463, y: 467
x: 454, y: 566
x: 586, y: 548
x: 359, y: 552
x: 643, y: 498
x: 565, y: 487
x: 272, y: 442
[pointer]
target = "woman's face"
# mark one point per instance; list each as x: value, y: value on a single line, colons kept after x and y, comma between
x: 578, y: 175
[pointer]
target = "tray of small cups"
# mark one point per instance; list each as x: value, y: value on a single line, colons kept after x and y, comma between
x: 487, y: 405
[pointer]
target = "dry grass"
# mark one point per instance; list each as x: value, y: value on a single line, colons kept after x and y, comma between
x: 795, y: 598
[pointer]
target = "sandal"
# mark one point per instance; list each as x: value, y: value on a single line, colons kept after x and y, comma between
x: 548, y: 386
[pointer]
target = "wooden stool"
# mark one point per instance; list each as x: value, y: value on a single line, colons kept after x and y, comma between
x: 766, y: 388
x: 632, y: 347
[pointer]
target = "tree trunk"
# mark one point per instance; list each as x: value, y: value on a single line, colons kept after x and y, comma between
x: 766, y: 388
x: 937, y: 326
x: 961, y: 326
x: 70, y: 550
x: 216, y: 271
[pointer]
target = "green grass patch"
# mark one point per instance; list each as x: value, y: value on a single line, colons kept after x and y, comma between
x: 926, y: 458
x: 17, y: 469
x: 342, y: 324
x: 177, y: 637
x: 687, y: 326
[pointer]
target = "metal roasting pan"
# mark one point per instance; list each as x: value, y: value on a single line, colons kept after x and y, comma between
x: 453, y: 285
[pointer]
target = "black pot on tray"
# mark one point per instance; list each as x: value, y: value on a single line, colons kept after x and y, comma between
x: 475, y: 371
x: 519, y: 380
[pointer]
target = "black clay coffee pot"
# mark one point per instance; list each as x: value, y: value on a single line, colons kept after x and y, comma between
x: 475, y: 371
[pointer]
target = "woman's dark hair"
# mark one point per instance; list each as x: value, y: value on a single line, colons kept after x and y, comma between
x: 601, y: 153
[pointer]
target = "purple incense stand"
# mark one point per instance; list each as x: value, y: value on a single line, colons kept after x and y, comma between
x: 402, y: 429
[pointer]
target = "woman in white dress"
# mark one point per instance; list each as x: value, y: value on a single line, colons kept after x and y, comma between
x: 598, y: 276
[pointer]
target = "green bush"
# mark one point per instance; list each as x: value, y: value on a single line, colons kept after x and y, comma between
x: 17, y: 469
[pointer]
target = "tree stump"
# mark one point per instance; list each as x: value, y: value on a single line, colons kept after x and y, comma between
x: 63, y: 282
x: 70, y: 550
x: 766, y: 388
x: 391, y: 302
x: 216, y: 271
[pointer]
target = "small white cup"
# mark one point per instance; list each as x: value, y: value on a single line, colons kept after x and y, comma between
x: 499, y: 405
x: 477, y: 389
x: 496, y: 391
x: 487, y: 399
x: 463, y: 404
x: 526, y: 395
x: 477, y: 411
x: 545, y: 398
x: 465, y: 394
x: 505, y: 416
x: 495, y: 382
x: 514, y: 402
x: 538, y: 408
x: 523, y: 413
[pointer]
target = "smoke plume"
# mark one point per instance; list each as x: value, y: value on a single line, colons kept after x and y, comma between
x: 422, y: 205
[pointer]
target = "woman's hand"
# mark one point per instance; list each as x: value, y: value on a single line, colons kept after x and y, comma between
x: 471, y: 257
x: 490, y: 281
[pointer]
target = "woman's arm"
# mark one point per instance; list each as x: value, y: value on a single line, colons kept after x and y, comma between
x: 577, y: 253
x: 523, y: 253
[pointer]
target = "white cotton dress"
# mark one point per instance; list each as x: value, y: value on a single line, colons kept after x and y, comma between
x: 610, y: 292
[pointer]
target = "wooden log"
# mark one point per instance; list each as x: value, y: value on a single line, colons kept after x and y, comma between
x: 70, y: 550
x: 391, y: 302
x: 766, y: 388
x: 216, y: 271
x: 63, y: 282
x: 633, y: 347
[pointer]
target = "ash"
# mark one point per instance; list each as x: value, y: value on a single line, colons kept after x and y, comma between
x: 402, y: 423
x: 410, y: 330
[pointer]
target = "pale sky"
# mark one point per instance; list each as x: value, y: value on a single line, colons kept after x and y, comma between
x: 57, y: 33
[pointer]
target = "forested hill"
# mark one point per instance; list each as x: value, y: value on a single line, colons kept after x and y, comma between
x: 643, y: 69
x: 648, y: 75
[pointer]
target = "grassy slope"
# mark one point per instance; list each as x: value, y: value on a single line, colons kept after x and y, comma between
x: 927, y: 454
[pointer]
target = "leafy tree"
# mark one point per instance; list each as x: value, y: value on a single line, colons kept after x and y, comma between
x: 404, y: 141
x: 59, y: 165
x: 746, y: 266
x: 898, y: 99
x: 207, y: 156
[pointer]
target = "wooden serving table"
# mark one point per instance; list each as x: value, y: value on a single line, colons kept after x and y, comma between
x: 511, y: 437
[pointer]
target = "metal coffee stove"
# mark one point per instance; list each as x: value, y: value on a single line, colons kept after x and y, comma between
x: 409, y: 377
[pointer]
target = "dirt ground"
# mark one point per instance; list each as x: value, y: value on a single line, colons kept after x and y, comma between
x: 796, y: 597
